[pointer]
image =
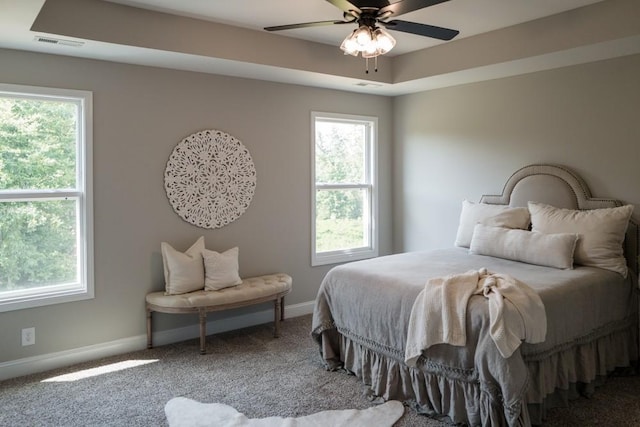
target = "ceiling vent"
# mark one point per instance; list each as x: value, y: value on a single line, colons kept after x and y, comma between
x: 61, y: 42
x: 367, y: 84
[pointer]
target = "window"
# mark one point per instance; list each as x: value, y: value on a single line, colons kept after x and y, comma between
x: 344, y: 190
x: 46, y: 220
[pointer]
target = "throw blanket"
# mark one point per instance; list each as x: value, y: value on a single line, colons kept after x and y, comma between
x: 438, y: 314
x: 183, y: 412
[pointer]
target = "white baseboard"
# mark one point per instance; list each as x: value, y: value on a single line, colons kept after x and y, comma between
x: 45, y: 362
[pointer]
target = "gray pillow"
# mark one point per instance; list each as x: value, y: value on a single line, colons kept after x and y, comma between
x: 601, y: 232
x: 550, y: 250
x: 482, y: 213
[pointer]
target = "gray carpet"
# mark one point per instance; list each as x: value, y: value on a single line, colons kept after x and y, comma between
x: 249, y: 370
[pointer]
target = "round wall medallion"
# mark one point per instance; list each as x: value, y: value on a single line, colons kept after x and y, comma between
x: 210, y: 179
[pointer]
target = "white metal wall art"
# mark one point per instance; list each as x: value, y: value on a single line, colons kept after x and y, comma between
x: 210, y: 179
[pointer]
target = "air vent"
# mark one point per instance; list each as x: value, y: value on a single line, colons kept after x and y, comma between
x: 367, y: 84
x: 61, y: 42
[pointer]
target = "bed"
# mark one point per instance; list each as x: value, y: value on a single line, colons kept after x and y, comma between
x: 363, y: 311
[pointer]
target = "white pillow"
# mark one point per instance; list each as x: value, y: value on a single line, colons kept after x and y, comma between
x: 601, y: 231
x: 550, y: 250
x: 495, y: 215
x: 221, y: 269
x: 183, y: 272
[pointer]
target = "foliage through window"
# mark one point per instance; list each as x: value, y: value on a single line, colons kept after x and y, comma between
x: 45, y: 202
x: 344, y: 190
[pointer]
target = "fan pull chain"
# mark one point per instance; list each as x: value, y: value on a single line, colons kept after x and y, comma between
x: 375, y: 65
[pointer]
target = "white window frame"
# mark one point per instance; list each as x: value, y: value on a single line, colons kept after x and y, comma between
x: 84, y: 289
x: 370, y: 185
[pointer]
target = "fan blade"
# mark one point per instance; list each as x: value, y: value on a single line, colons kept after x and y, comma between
x: 378, y: 4
x: 305, y: 25
x: 405, y: 6
x: 421, y: 29
x: 344, y: 5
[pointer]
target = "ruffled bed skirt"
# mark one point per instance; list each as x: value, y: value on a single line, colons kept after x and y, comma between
x: 577, y: 370
x: 460, y: 398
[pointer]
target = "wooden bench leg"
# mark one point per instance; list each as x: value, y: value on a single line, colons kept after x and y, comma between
x: 149, y: 341
x: 282, y: 308
x: 203, y: 331
x: 277, y: 311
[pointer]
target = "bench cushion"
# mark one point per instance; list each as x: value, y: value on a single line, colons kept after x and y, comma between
x: 252, y: 288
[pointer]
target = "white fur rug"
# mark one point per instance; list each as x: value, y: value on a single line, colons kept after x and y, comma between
x: 183, y: 412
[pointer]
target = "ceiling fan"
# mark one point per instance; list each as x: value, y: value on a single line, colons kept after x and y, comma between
x: 369, y: 39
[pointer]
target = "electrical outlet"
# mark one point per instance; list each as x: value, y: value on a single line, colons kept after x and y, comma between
x: 28, y: 336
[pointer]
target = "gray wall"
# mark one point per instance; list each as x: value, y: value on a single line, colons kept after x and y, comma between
x: 450, y: 144
x: 140, y: 114
x: 465, y: 141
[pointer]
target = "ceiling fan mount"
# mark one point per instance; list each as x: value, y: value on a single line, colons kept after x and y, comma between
x: 367, y: 16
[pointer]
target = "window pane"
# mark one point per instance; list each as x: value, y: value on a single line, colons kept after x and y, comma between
x: 340, y: 152
x: 37, y: 144
x: 37, y: 244
x: 341, y: 219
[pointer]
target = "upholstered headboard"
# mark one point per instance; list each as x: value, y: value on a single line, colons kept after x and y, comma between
x: 559, y: 186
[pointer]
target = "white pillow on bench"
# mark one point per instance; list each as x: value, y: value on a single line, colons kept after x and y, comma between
x: 183, y: 272
x: 198, y: 268
x: 221, y: 269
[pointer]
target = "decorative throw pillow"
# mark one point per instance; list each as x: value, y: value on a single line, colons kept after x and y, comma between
x: 221, y: 269
x: 495, y: 215
x: 183, y: 272
x: 601, y: 232
x: 550, y: 250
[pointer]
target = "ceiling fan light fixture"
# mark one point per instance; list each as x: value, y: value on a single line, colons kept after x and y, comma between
x: 370, y: 54
x: 349, y: 45
x: 385, y: 42
x: 370, y: 42
x: 371, y: 51
x: 363, y: 36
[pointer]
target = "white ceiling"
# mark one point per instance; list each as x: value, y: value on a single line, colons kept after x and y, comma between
x: 470, y: 17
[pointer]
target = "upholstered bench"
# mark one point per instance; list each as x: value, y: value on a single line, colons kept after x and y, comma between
x: 253, y: 290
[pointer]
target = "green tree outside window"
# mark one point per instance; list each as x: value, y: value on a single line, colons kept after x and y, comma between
x: 37, y: 152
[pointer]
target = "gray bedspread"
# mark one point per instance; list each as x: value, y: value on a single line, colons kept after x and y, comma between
x: 362, y: 312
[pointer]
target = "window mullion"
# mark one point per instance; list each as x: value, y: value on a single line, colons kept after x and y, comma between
x: 17, y: 196
x: 342, y: 186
